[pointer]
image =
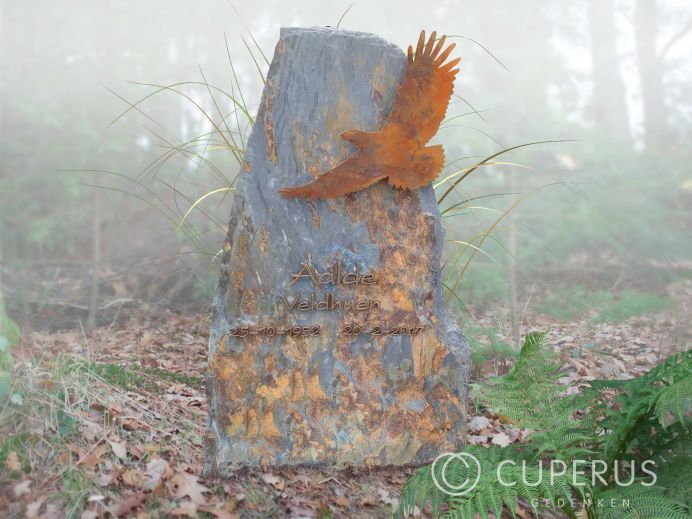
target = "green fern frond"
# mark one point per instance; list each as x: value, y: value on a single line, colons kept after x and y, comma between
x: 636, y: 502
x: 674, y: 400
x: 530, y: 397
x: 489, y: 496
x: 644, y: 404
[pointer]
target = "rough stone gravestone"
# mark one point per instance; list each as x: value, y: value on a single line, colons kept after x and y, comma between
x: 330, y: 342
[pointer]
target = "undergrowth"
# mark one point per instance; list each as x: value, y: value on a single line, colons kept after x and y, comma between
x: 600, y: 427
x: 487, y: 346
x: 133, y: 377
x: 68, y: 407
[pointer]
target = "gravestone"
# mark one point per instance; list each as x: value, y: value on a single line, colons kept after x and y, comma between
x: 330, y: 342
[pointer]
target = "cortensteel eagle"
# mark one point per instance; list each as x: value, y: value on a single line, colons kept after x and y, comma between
x: 398, y: 151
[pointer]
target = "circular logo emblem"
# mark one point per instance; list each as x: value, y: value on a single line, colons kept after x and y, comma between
x: 469, y: 461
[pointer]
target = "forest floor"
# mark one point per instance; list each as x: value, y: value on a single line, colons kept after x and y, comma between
x: 112, y: 423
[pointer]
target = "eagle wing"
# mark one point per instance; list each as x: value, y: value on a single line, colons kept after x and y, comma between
x: 422, y: 98
x: 420, y: 106
x: 353, y: 174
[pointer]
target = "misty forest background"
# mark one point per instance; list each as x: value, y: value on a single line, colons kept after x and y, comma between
x: 610, y: 223
x: 122, y: 130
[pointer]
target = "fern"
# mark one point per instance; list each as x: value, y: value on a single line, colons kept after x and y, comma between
x: 530, y: 397
x: 638, y: 503
x: 646, y: 418
x: 674, y: 400
x: 648, y: 412
x: 488, y: 496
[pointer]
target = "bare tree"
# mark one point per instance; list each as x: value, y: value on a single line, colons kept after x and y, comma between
x: 609, y: 106
x: 95, y: 262
x: 650, y: 65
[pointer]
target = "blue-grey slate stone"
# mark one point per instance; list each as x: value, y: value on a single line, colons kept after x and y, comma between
x: 330, y: 399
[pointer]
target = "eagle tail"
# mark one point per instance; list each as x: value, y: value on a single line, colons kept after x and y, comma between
x: 349, y: 176
x: 307, y: 191
x: 325, y: 187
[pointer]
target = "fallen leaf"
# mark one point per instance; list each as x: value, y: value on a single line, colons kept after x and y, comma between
x: 94, y: 457
x: 12, y: 462
x: 272, y: 479
x: 501, y: 439
x: 21, y: 488
x: 103, y: 479
x: 64, y: 458
x: 119, y: 449
x: 514, y: 434
x: 157, y: 470
x: 92, y: 431
x: 130, y: 503
x: 133, y: 425
x: 478, y: 423
x: 478, y: 439
x: 136, y: 451
x: 133, y: 477
x: 33, y: 509
x: 368, y: 500
x: 184, y: 484
x: 35, y: 425
x: 386, y: 498
x: 97, y: 406
x: 232, y: 504
x: 179, y: 388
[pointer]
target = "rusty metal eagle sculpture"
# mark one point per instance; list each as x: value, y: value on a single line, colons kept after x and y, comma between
x: 398, y: 151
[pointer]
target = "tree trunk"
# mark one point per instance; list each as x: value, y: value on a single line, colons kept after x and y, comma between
x: 95, y: 262
x: 609, y: 107
x: 651, y: 74
x: 2, y: 302
x: 512, y: 274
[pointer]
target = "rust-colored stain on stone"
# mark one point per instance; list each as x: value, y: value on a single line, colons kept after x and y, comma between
x: 238, y: 277
x: 290, y: 394
x: 264, y: 236
x: 315, y: 217
x: 269, y: 128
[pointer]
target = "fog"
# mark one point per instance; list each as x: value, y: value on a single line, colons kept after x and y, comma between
x: 85, y: 197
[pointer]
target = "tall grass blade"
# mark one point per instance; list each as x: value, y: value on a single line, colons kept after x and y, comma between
x: 201, y: 199
x: 491, y: 157
x: 338, y: 24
